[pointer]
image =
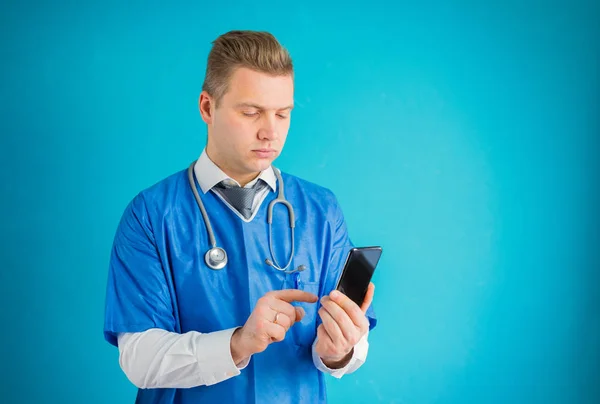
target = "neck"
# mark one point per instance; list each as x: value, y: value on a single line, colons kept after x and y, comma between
x: 244, y: 180
x: 241, y: 178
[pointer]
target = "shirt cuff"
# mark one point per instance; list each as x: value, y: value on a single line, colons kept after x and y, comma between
x: 359, y: 356
x: 217, y: 355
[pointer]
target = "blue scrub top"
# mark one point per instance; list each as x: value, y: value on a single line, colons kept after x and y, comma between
x: 158, y: 279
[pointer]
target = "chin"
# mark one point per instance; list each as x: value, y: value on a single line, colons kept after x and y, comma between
x: 262, y: 165
x: 255, y: 163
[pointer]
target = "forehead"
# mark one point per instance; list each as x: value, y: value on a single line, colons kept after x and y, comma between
x: 249, y: 86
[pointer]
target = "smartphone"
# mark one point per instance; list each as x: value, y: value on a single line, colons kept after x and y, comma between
x: 358, y: 271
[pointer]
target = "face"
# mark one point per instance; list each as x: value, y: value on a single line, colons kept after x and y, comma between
x: 247, y: 131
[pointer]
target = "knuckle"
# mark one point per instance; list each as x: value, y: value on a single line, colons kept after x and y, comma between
x: 331, y: 349
x: 364, y: 326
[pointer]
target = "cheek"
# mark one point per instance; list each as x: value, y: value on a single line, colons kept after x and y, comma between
x: 238, y: 126
x: 284, y: 128
x: 240, y: 129
x: 233, y: 131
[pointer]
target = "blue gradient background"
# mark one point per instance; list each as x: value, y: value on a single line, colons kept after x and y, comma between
x: 461, y: 137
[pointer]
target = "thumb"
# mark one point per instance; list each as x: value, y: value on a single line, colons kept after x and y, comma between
x: 368, y: 298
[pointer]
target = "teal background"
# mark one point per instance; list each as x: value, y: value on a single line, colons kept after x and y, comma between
x: 460, y: 136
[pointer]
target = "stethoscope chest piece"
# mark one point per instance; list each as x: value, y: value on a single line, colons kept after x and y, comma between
x: 216, y: 258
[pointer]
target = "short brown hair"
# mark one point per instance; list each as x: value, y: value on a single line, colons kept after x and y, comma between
x: 256, y: 50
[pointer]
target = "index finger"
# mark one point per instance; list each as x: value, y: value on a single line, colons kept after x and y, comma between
x: 294, y: 295
x: 349, y: 306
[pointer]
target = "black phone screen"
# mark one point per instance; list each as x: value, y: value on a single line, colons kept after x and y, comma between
x: 358, y: 271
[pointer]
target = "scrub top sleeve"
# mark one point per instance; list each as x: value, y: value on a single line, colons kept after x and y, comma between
x: 340, y: 247
x: 137, y: 293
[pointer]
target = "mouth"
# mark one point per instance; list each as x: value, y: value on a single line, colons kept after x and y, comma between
x: 264, y: 153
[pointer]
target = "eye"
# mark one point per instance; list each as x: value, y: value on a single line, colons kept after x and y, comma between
x: 250, y: 113
x: 282, y: 116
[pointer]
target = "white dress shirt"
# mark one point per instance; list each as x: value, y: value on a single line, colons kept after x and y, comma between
x: 157, y: 358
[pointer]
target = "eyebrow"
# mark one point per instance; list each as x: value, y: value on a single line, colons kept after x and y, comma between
x: 251, y: 105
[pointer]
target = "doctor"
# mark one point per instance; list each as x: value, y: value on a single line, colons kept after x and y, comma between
x: 265, y: 325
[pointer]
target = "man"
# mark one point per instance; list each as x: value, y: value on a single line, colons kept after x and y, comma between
x: 248, y: 332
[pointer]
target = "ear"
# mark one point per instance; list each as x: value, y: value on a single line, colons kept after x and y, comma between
x: 206, y: 105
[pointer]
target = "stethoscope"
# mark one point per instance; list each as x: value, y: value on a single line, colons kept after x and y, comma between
x: 216, y: 257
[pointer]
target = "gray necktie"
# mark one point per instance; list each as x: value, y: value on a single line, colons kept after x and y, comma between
x: 240, y: 198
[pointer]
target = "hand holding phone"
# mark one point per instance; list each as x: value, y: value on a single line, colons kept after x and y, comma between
x: 343, y: 325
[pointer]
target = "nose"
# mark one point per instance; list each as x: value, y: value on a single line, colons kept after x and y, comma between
x: 268, y: 129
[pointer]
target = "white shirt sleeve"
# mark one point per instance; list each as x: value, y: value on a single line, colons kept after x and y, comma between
x: 156, y: 358
x: 358, y: 358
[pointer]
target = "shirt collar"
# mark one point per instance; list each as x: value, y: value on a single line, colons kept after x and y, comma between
x: 209, y: 174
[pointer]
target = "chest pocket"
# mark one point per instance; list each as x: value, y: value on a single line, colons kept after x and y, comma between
x: 304, y: 332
